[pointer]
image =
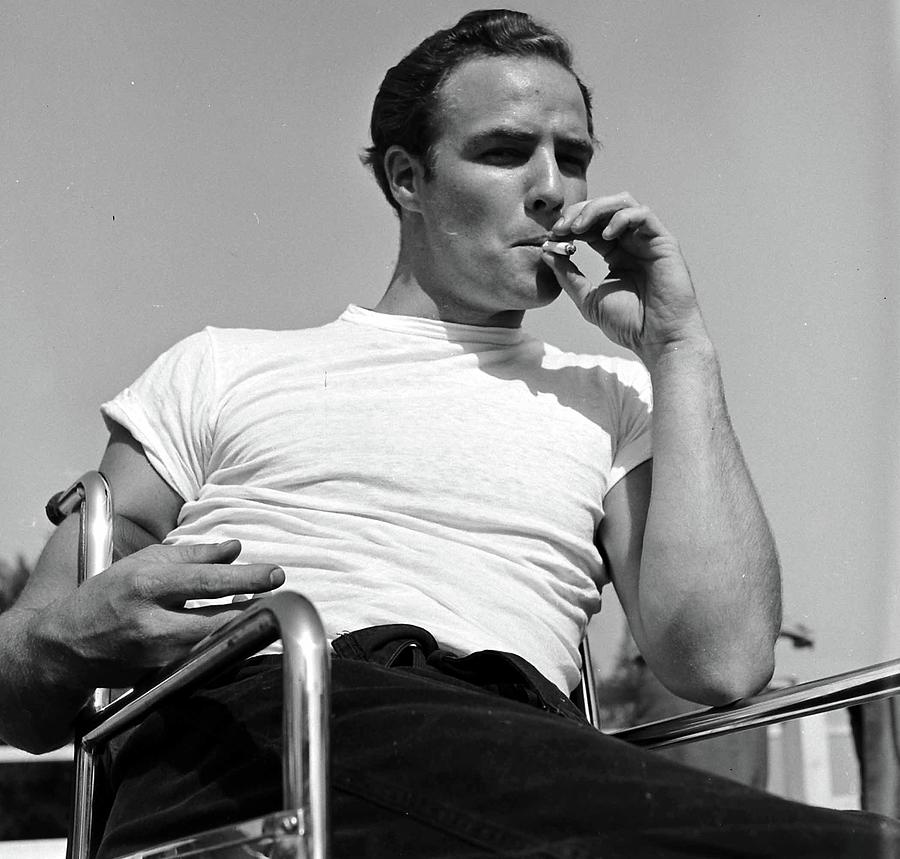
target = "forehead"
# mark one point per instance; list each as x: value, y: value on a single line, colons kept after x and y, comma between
x: 531, y: 93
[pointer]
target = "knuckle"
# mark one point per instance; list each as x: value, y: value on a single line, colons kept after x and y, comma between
x: 195, y: 551
x: 146, y: 584
x: 208, y: 580
x: 146, y: 629
x: 219, y: 579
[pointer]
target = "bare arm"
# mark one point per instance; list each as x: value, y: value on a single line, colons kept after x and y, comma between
x: 59, y: 642
x: 690, y: 551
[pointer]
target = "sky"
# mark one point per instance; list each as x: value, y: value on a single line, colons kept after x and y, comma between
x: 168, y: 166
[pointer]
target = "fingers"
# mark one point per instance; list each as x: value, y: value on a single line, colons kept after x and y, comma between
x: 131, y: 617
x: 637, y: 219
x: 592, y: 215
x: 170, y: 575
x: 563, y: 227
x: 206, y: 621
x: 606, y: 219
x: 569, y: 277
x: 214, y: 616
x: 211, y: 581
x: 161, y: 638
x: 199, y: 553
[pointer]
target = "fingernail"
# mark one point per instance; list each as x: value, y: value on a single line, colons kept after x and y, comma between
x: 276, y: 577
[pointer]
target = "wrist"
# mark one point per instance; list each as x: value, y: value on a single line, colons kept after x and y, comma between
x: 37, y: 697
x: 695, y: 349
x: 48, y: 636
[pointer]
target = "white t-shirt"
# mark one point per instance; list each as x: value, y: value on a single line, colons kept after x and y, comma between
x: 402, y: 470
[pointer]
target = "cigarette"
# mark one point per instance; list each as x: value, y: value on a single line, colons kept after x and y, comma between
x: 563, y: 249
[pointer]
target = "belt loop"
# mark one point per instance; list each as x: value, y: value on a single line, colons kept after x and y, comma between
x: 386, y: 644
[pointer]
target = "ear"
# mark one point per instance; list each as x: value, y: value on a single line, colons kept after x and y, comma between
x: 405, y: 175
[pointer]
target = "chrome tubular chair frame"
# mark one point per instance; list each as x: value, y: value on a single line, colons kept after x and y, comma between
x: 781, y: 705
x: 287, y: 616
x: 306, y: 687
x: 587, y: 697
x: 91, y: 497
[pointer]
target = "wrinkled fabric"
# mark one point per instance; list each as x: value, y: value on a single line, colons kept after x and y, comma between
x: 426, y: 762
x: 402, y: 470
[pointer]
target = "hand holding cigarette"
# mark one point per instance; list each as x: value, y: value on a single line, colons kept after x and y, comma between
x: 646, y: 302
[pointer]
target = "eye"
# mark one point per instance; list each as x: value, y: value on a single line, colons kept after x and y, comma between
x: 503, y: 155
x: 573, y: 164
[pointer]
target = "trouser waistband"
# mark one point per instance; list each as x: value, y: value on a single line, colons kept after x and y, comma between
x: 400, y: 645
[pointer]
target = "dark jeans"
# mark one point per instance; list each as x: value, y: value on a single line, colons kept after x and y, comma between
x: 440, y: 756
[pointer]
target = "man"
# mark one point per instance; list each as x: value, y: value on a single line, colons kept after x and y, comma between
x: 453, y: 493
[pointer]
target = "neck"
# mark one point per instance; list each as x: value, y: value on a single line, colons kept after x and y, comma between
x: 412, y: 293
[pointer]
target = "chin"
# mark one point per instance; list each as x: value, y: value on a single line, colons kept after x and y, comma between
x: 529, y: 292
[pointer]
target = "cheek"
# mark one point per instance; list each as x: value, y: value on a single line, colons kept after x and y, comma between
x: 470, y: 201
x: 465, y: 208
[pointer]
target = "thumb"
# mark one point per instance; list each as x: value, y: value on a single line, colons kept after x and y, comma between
x: 198, y: 553
x: 569, y: 277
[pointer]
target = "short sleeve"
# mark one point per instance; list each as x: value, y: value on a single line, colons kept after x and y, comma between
x: 170, y: 410
x: 633, y: 443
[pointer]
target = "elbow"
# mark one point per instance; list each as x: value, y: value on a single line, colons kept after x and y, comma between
x: 726, y: 682
x: 750, y: 671
x: 721, y: 693
x: 32, y: 734
x: 35, y: 744
x: 715, y: 672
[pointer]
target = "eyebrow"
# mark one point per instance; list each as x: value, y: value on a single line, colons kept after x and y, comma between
x: 579, y: 145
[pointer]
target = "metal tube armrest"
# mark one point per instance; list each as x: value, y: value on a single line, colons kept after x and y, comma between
x: 306, y: 673
x: 288, y: 616
x: 817, y: 696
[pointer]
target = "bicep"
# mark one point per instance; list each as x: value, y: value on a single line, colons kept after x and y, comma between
x: 620, y: 538
x: 146, y: 510
x: 140, y: 495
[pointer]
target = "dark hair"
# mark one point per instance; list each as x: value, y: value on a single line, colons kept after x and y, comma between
x: 404, y: 110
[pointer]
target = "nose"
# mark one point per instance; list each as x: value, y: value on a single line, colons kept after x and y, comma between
x: 546, y: 192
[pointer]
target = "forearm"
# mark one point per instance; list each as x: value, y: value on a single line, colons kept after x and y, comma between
x: 39, y: 697
x: 697, y: 567
x: 709, y: 591
x: 43, y: 682
x: 42, y: 685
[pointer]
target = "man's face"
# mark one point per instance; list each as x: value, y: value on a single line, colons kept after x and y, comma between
x: 511, y: 153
